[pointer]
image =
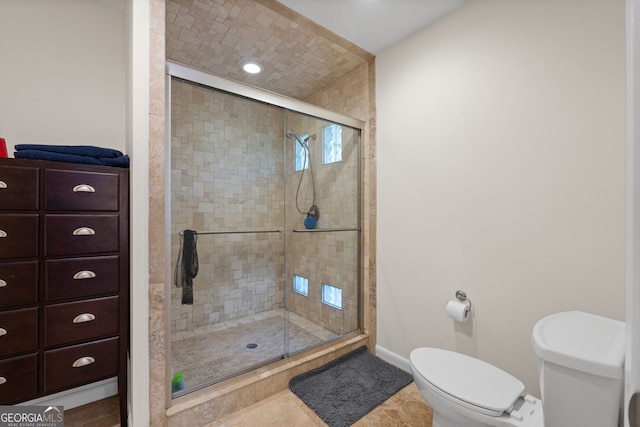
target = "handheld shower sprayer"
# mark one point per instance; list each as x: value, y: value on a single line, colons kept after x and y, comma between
x: 313, y: 213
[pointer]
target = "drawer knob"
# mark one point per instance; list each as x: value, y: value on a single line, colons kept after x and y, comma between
x: 2, y: 283
x: 83, y: 361
x: 3, y: 233
x: 2, y: 380
x: 84, y: 188
x: 3, y: 331
x: 86, y: 317
x: 84, y: 274
x: 84, y: 231
x: 3, y: 184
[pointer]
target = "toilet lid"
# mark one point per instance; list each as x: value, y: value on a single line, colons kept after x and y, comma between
x: 468, y: 379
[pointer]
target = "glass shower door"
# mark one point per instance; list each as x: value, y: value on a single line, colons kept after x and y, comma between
x: 322, y: 232
x: 227, y: 186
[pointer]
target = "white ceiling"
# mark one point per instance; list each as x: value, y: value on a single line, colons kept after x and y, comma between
x: 373, y: 24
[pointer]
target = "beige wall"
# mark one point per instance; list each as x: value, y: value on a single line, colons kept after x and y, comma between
x: 501, y: 172
x: 68, y: 77
x: 63, y: 73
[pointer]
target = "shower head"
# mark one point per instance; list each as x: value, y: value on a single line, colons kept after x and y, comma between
x: 292, y: 135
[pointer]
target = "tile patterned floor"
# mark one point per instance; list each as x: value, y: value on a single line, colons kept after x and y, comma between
x: 214, y: 352
x: 404, y: 409
x: 194, y: 353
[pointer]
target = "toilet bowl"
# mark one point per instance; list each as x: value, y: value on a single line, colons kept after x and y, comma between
x: 580, y: 360
x: 466, y: 392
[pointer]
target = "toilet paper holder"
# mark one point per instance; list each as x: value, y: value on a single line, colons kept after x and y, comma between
x: 459, y: 310
x: 462, y: 297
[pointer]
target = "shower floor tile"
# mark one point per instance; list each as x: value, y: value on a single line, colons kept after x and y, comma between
x: 217, y: 351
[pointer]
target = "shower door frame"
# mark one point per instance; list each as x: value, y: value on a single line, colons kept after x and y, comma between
x: 260, y: 95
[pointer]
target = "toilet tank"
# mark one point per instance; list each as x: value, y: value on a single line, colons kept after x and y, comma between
x: 581, y: 365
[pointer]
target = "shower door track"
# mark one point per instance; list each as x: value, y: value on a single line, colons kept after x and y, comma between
x: 236, y: 232
x: 210, y: 80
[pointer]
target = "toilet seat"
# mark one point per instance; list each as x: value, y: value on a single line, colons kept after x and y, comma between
x: 468, y: 381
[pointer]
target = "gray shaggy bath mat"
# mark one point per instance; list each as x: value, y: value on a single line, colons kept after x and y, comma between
x: 346, y: 389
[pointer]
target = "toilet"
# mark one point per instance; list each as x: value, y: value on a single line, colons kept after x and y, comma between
x: 466, y: 392
x: 580, y: 362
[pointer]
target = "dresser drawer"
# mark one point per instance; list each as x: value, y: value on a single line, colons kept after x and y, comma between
x: 81, y: 277
x: 18, y: 283
x: 81, y: 191
x: 93, y: 361
x: 82, y: 320
x: 18, y: 236
x: 18, y: 188
x: 19, y: 331
x: 80, y: 234
x: 18, y: 379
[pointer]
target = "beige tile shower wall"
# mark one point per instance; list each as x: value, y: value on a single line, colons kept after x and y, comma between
x: 330, y: 258
x: 323, y: 257
x: 226, y: 157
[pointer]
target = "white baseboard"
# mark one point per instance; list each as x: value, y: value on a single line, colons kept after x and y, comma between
x: 394, y: 359
x: 78, y: 396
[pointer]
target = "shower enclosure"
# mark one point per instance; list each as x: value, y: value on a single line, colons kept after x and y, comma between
x: 264, y: 228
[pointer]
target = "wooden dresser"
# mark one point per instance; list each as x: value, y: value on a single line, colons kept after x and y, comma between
x: 64, y: 278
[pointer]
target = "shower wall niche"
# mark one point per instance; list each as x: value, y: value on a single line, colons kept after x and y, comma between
x: 266, y: 285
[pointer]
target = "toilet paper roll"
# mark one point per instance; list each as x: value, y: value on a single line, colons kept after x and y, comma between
x: 458, y: 311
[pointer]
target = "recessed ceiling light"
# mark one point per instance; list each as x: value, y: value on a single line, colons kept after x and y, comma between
x: 252, y: 67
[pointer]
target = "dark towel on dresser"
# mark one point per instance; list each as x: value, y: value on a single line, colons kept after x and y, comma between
x: 86, y: 154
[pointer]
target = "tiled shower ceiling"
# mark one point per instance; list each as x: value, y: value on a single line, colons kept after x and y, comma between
x: 299, y: 57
